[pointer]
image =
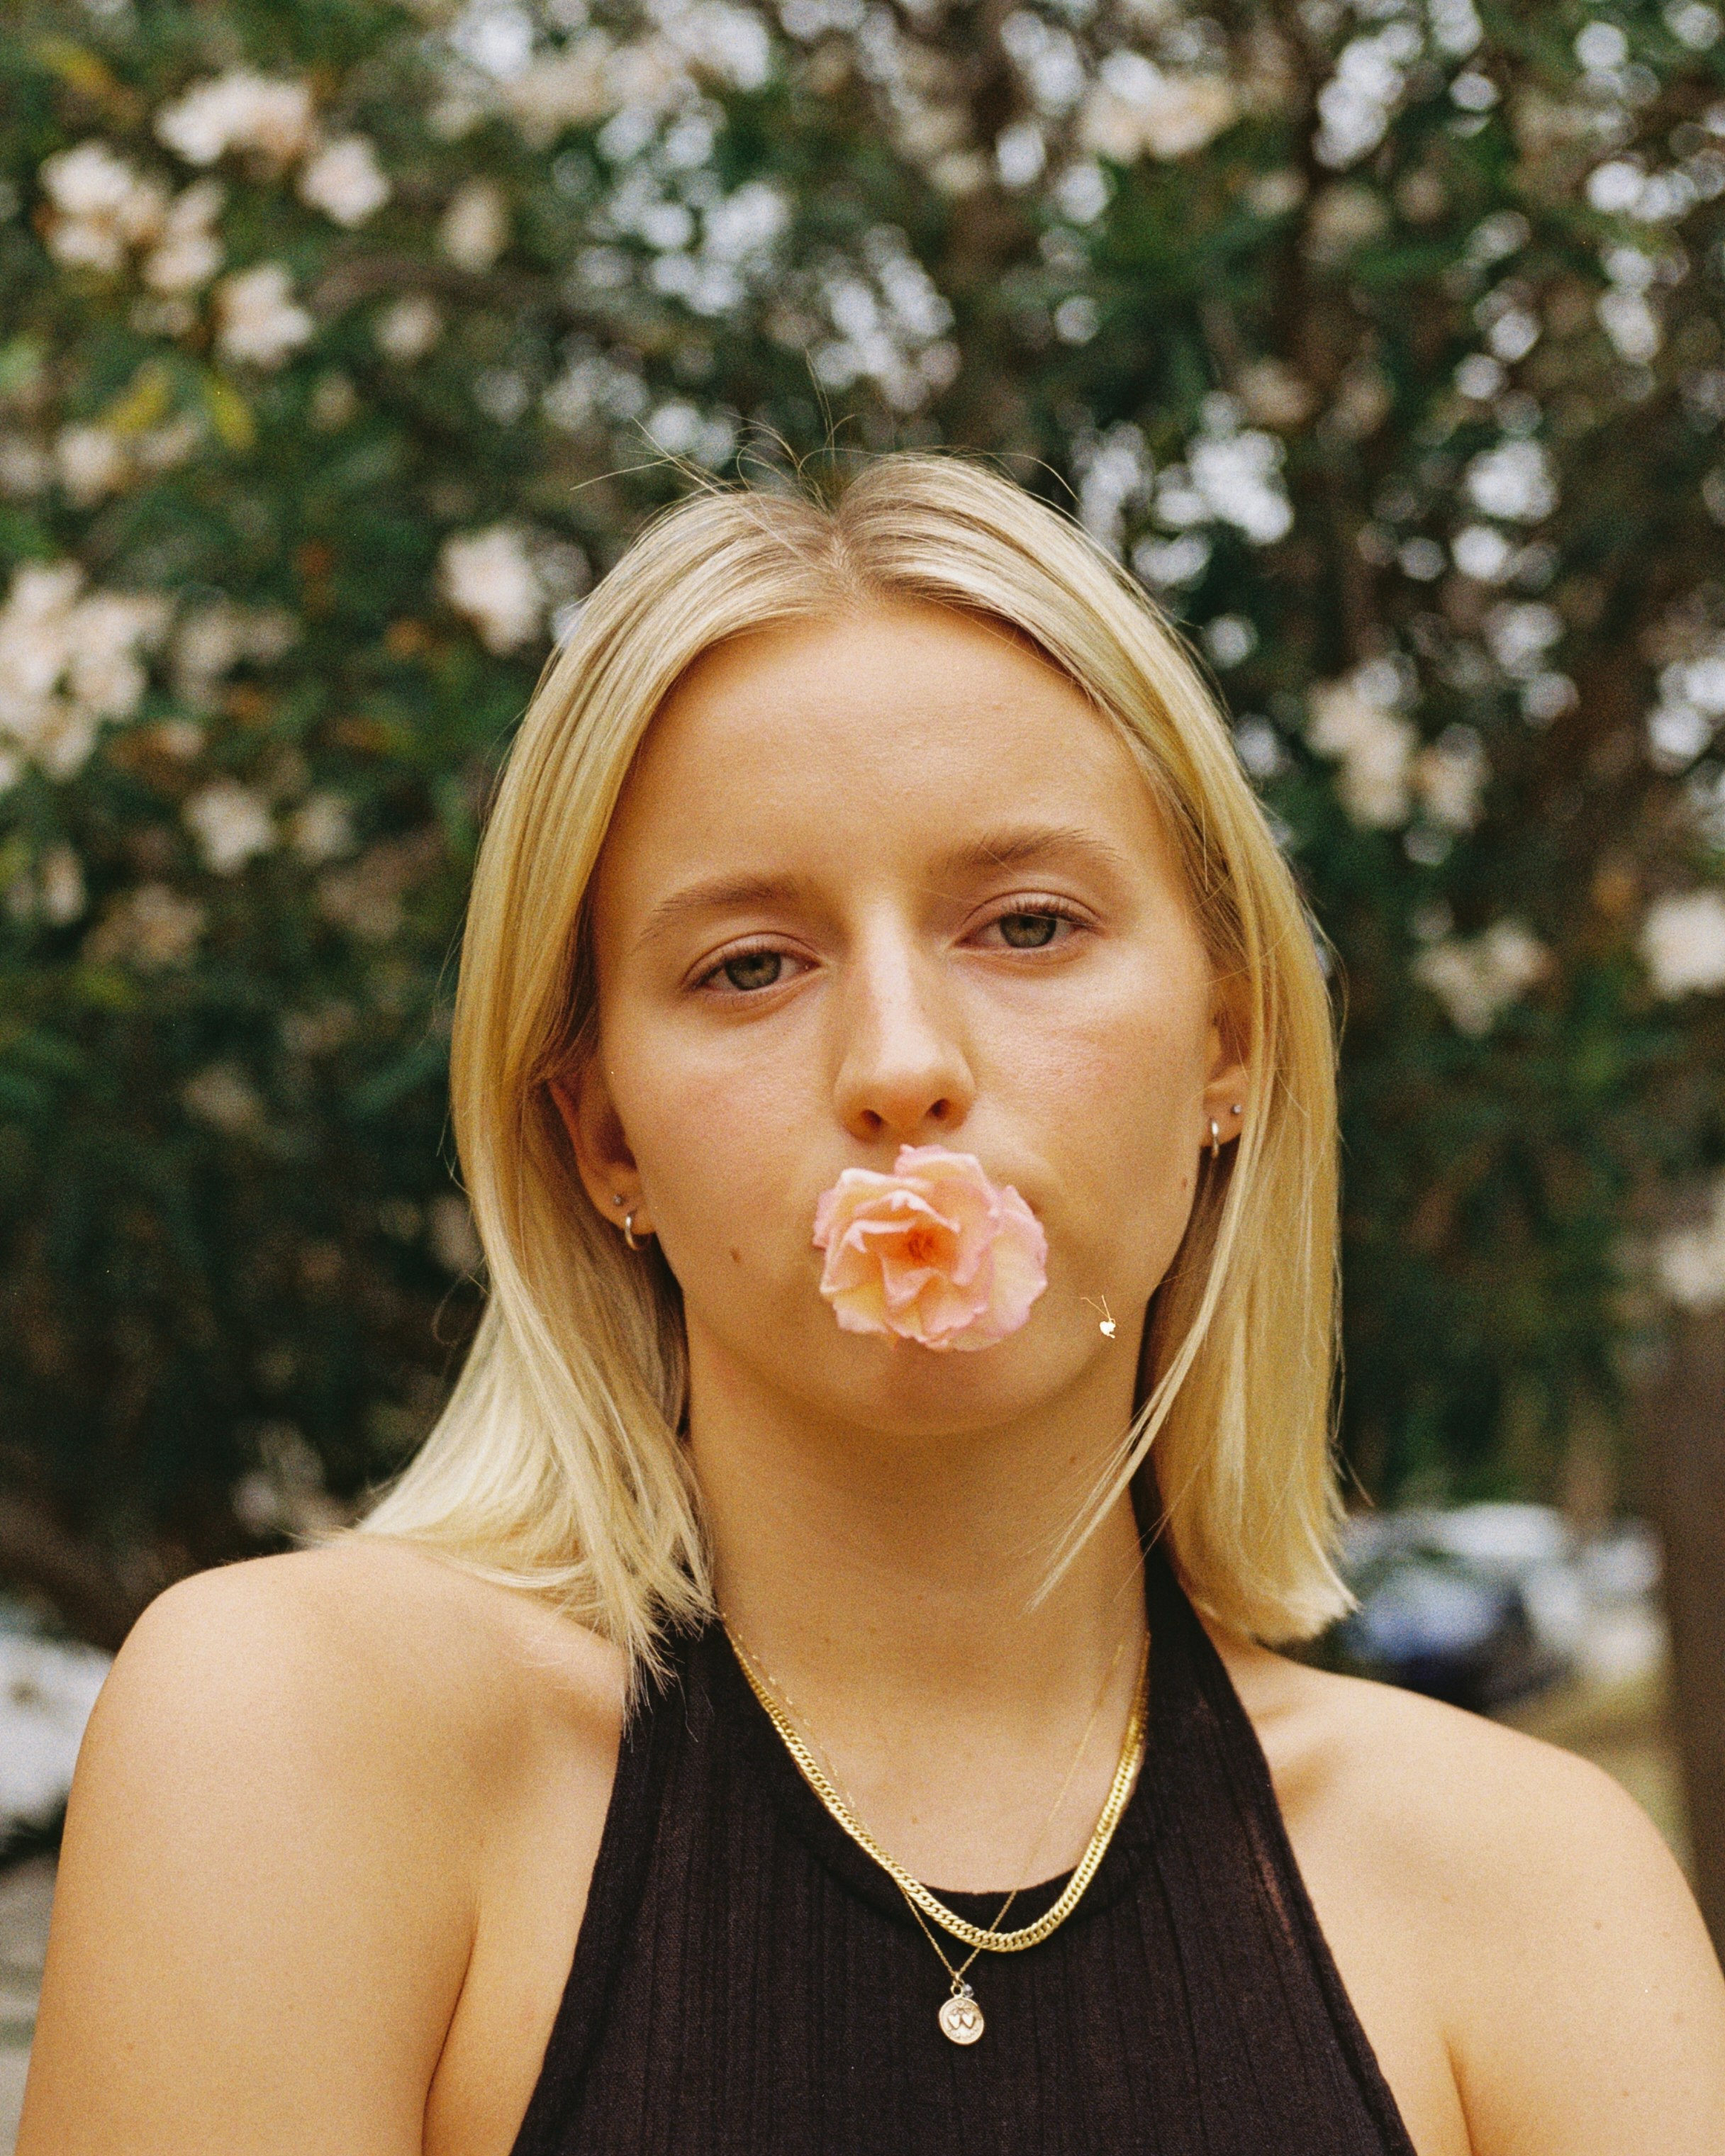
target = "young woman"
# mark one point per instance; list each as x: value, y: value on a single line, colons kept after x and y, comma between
x: 815, y: 1690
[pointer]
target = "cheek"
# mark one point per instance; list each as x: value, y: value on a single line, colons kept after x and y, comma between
x: 718, y: 1133
x: 1118, y: 1101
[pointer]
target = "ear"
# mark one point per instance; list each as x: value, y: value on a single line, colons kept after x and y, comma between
x: 606, y: 1166
x: 1226, y: 1077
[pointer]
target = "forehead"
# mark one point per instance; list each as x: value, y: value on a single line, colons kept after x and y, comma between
x: 879, y: 736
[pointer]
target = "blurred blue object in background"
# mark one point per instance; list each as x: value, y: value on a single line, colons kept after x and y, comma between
x: 1491, y: 1603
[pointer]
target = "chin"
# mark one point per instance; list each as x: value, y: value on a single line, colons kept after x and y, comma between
x: 907, y: 1391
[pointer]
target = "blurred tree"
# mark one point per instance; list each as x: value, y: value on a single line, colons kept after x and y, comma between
x: 1384, y: 340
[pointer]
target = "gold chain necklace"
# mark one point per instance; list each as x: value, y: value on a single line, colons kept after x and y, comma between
x: 960, y: 2017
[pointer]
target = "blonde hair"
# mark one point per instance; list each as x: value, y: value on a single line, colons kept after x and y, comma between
x: 556, y: 1464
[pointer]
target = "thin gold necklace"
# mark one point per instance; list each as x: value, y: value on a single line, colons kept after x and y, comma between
x: 960, y: 2017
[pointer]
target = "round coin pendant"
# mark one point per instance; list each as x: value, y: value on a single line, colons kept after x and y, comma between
x: 960, y: 2018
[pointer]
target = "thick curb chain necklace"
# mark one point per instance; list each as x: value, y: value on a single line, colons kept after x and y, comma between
x: 960, y: 2018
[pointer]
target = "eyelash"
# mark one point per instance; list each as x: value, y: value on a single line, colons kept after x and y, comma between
x: 1059, y: 908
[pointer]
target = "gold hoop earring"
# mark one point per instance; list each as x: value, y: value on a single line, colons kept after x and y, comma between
x: 628, y: 1227
x: 1215, y: 1139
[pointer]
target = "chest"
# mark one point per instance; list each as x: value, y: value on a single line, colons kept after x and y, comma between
x: 730, y: 1982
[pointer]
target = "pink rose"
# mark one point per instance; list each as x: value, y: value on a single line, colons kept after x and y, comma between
x: 933, y: 1252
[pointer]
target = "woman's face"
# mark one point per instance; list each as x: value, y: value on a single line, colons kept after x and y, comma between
x: 880, y: 880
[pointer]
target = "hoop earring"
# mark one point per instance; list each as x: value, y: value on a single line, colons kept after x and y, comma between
x: 628, y: 1237
x: 1215, y: 1139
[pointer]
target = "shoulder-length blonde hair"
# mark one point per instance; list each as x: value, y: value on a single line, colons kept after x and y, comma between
x: 557, y: 1465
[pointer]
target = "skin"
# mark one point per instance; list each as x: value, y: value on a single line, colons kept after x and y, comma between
x: 327, y: 1852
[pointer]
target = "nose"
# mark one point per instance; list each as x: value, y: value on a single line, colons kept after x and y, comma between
x: 903, y: 1074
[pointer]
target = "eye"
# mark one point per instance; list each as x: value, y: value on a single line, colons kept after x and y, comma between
x: 747, y: 971
x: 1028, y: 932
x: 1035, y: 927
x: 753, y: 969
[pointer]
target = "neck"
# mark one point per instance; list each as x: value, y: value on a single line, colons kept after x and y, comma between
x: 894, y: 1591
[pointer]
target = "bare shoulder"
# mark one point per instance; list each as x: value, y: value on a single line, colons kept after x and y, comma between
x: 1576, y: 1988
x: 273, y: 1864
x: 373, y: 1634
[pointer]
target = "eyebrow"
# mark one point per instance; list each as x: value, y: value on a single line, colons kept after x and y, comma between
x: 1022, y: 847
x: 719, y: 894
x: 1028, y: 845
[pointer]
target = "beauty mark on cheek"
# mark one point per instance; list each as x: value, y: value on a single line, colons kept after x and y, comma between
x: 935, y: 1252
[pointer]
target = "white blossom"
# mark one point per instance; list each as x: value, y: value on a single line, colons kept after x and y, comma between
x: 1373, y: 744
x: 238, y: 111
x: 59, y: 882
x: 160, y: 449
x: 260, y: 321
x: 1137, y: 109
x: 1020, y: 153
x: 454, y: 1243
x: 1456, y: 27
x: 1631, y: 323
x: 91, y: 461
x: 231, y: 824
x: 1520, y: 634
x: 26, y: 466
x: 1239, y: 476
x: 489, y: 576
x: 718, y: 39
x: 150, y: 926
x: 1166, y: 565
x: 1113, y: 474
x: 571, y: 88
x: 68, y: 662
x: 1476, y: 981
x: 1689, y: 1263
x: 189, y: 253
x: 745, y: 223
x: 1344, y: 216
x: 1449, y: 776
x: 103, y: 670
x: 223, y: 1096
x: 1695, y: 24
x: 345, y: 180
x: 321, y: 829
x: 1699, y: 680
x: 890, y: 330
x: 210, y: 639
x: 1355, y: 105
x: 1275, y: 395
x: 1047, y: 58
x: 1513, y: 481
x: 407, y: 328
x: 1482, y: 552
x: 474, y: 228
x: 101, y: 207
x: 1683, y: 942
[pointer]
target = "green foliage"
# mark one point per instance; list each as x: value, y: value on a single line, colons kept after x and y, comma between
x: 341, y: 344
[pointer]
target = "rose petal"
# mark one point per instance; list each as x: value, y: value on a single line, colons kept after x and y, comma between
x: 935, y: 1252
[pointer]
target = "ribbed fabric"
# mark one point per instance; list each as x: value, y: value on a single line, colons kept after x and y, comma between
x: 749, y: 1983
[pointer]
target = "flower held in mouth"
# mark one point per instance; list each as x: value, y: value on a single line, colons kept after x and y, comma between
x: 934, y: 1252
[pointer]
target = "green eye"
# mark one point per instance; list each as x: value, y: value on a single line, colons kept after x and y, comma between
x: 1029, y: 931
x: 753, y: 969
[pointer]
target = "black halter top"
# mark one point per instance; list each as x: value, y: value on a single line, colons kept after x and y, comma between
x: 747, y: 1982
